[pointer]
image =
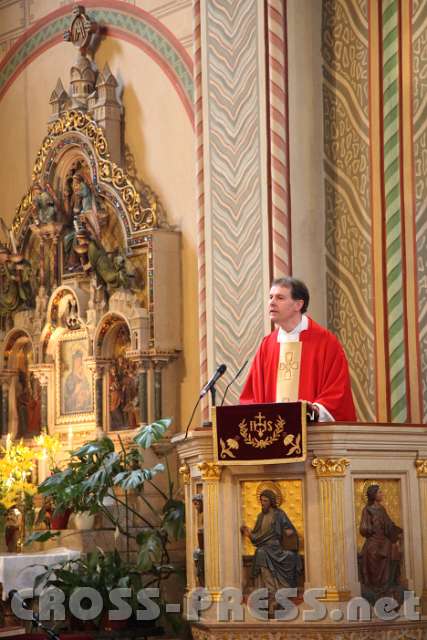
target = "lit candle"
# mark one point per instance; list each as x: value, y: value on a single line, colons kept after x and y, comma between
x: 70, y: 437
x: 43, y: 466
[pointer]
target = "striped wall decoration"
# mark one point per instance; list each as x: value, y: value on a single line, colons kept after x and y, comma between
x: 419, y: 124
x: 198, y: 121
x: 348, y: 239
x: 393, y: 207
x: 279, y: 138
x: 236, y: 229
x: 393, y: 220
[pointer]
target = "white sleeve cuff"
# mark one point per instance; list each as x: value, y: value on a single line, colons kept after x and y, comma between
x: 324, y: 415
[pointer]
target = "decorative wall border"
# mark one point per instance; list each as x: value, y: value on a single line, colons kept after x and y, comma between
x: 278, y: 123
x: 119, y: 20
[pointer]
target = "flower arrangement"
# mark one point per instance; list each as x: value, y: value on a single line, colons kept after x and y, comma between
x: 16, y: 466
x: 49, y: 448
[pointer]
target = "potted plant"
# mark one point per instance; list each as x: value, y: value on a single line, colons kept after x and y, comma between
x: 96, y: 473
x: 100, y: 571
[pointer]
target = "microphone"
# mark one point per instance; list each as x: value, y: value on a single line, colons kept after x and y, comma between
x: 233, y: 380
x: 208, y: 386
x: 216, y: 376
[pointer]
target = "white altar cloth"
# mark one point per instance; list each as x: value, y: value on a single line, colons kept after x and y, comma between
x: 17, y: 570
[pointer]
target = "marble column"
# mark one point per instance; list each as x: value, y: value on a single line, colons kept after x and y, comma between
x: 158, y: 407
x: 330, y: 473
x: 143, y: 366
x: 211, y: 474
x: 5, y: 407
x: 190, y: 537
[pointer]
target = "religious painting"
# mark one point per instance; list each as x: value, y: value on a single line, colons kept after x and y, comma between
x: 122, y: 385
x: 27, y: 395
x: 75, y: 381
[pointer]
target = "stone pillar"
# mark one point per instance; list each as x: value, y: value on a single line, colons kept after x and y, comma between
x: 211, y: 474
x: 43, y: 373
x: 330, y: 473
x: 97, y: 369
x: 184, y: 470
x: 421, y: 465
x: 158, y: 408
x: 143, y: 367
x: 5, y: 407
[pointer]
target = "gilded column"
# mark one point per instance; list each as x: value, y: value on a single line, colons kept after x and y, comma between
x: 421, y: 465
x: 184, y: 470
x: 330, y: 473
x: 211, y: 474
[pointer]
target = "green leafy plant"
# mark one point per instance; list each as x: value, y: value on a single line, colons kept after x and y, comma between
x: 97, y: 473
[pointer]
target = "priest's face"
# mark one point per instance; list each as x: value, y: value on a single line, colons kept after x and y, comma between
x: 284, y: 310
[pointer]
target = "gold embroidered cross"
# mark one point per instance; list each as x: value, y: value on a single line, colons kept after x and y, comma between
x: 289, y: 365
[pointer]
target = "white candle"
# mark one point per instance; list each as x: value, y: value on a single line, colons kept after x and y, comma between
x: 70, y: 437
x: 43, y: 466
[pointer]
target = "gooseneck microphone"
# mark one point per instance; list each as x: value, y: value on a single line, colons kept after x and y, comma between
x: 216, y: 376
x: 209, y: 386
x: 233, y: 380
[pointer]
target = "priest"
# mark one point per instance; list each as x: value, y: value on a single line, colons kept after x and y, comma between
x: 300, y: 360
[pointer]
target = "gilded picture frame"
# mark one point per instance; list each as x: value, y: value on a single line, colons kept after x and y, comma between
x: 74, y: 381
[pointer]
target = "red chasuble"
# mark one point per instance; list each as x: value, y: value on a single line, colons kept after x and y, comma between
x: 324, y: 376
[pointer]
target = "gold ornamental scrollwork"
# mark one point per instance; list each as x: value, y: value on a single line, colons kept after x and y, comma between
x: 184, y: 470
x: 330, y: 467
x: 209, y: 470
x: 144, y: 209
x: 421, y: 466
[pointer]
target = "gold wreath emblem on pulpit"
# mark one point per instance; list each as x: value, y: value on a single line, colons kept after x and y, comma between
x: 261, y: 433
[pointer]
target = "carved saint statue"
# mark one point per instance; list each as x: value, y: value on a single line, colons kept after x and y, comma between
x: 15, y: 285
x: 380, y: 555
x: 199, y: 553
x: 276, y: 562
x: 28, y: 404
x: 123, y: 394
x: 45, y: 204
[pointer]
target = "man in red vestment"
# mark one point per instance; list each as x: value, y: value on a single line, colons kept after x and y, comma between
x: 324, y: 380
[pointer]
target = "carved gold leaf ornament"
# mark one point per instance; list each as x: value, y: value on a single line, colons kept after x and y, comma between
x: 421, y: 466
x: 209, y: 470
x: 330, y: 466
x: 144, y: 212
x: 184, y: 471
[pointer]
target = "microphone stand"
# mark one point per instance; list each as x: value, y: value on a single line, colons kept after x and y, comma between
x: 35, y: 618
x: 213, y: 398
x: 213, y: 395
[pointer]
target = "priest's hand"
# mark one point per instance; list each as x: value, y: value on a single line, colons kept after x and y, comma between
x: 312, y: 412
x: 244, y: 530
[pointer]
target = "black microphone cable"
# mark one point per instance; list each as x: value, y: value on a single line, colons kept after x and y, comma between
x: 233, y: 380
